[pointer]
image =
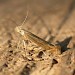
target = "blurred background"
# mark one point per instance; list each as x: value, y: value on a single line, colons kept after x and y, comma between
x: 52, y: 20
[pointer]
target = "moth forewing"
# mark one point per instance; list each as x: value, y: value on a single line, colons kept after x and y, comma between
x: 40, y: 42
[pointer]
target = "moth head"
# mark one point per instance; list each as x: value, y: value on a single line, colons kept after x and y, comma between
x: 19, y: 30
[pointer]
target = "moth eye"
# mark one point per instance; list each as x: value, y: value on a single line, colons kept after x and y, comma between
x: 22, y: 32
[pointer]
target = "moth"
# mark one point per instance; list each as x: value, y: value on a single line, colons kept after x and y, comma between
x: 39, y: 41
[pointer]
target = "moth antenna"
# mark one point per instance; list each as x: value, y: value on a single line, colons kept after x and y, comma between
x: 25, y: 19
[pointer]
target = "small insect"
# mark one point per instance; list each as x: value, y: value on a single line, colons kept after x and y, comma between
x: 40, y: 42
